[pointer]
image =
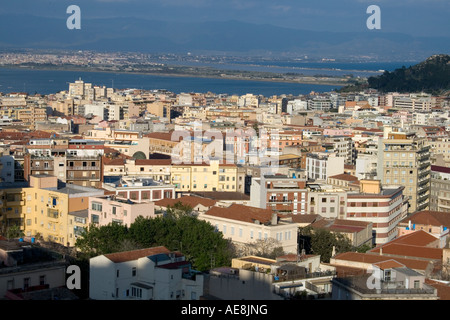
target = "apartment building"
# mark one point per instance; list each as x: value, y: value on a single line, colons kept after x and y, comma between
x: 280, y: 193
x: 440, y: 146
x: 440, y: 189
x: 343, y: 146
x: 162, y: 142
x: 435, y: 223
x: 244, y: 225
x: 413, y: 102
x: 21, y: 274
x: 107, y: 209
x: 139, y: 189
x: 31, y: 115
x: 384, y: 207
x: 404, y: 159
x: 43, y: 209
x: 326, y: 201
x: 84, y: 163
x: 146, y: 274
x: 157, y: 169
x: 321, y: 165
x: 208, y: 177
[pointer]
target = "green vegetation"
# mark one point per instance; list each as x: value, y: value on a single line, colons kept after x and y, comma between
x: 321, y: 241
x: 178, y: 230
x: 430, y: 76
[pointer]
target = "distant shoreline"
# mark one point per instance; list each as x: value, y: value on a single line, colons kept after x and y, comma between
x: 224, y: 75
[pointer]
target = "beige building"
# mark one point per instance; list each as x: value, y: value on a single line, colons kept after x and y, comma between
x: 43, y: 211
x: 208, y: 177
x: 244, y: 225
x: 404, y: 159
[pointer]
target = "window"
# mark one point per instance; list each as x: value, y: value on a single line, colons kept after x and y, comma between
x: 42, y: 280
x: 96, y: 206
x: 26, y: 283
x: 133, y: 271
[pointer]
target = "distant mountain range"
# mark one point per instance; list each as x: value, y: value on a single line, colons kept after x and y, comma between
x: 140, y: 35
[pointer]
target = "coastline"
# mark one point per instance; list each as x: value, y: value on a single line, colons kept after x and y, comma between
x: 223, y: 74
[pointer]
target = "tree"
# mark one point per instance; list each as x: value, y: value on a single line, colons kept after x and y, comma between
x: 196, y: 239
x: 267, y: 248
x: 14, y: 232
x: 98, y: 240
x: 322, y: 242
x: 178, y: 210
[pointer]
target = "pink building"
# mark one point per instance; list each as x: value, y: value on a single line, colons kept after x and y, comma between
x: 104, y: 210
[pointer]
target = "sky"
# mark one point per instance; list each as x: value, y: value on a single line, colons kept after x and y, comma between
x: 413, y: 17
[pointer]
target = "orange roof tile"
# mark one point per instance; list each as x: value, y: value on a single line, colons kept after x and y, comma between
x: 410, y: 251
x: 369, y: 258
x: 242, y: 213
x: 388, y: 264
x: 443, y: 289
x: 428, y: 217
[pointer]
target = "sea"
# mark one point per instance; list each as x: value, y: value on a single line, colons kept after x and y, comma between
x: 46, y: 82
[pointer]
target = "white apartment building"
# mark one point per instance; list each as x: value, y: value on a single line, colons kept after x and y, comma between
x: 144, y: 274
x: 243, y: 225
x: 321, y: 165
x: 384, y: 208
x: 414, y: 102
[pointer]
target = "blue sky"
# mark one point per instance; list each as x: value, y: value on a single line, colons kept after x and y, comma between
x: 414, y: 17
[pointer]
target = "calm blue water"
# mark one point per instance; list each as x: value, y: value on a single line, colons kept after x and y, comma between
x: 362, y: 69
x: 47, y: 82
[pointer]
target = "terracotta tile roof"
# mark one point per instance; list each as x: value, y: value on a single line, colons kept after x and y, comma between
x: 369, y: 258
x: 135, y: 254
x: 192, y: 201
x: 388, y: 264
x: 344, y: 176
x: 418, y: 238
x: 410, y: 251
x: 113, y: 162
x: 242, y: 213
x: 427, y: 217
x: 340, y: 225
x: 153, y: 162
x: 159, y: 135
x: 305, y: 218
x: 443, y: 289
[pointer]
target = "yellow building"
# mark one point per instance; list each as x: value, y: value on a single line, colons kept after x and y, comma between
x: 208, y: 177
x: 46, y: 212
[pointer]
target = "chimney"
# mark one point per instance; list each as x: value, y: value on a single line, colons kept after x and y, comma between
x: 274, y: 219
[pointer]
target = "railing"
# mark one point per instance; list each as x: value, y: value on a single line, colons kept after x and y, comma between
x: 82, y: 178
x: 279, y: 201
x: 83, y: 168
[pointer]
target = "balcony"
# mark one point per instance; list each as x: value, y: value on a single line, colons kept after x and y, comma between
x: 280, y: 201
x: 70, y: 178
x: 83, y: 168
x: 52, y: 213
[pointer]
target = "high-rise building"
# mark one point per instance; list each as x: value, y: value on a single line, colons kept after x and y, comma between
x: 404, y: 159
